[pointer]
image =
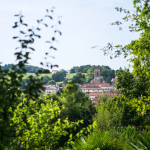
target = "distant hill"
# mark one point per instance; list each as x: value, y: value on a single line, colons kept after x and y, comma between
x: 105, y: 71
x: 30, y: 69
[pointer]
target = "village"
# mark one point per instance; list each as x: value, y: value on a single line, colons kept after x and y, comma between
x: 94, y: 89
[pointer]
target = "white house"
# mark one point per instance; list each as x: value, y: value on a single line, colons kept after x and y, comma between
x: 67, y: 71
x: 55, y: 71
x: 51, y: 89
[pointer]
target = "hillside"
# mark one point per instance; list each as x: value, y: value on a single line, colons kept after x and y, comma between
x: 69, y: 75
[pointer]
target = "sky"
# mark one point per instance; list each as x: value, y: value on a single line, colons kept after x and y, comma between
x: 84, y: 24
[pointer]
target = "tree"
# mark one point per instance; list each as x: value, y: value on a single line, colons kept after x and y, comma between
x: 130, y: 86
x: 51, y: 82
x: 59, y: 76
x: 46, y: 79
x: 72, y: 71
x: 79, y: 78
x: 138, y: 49
x: 11, y: 96
x: 77, y: 105
x: 65, y: 81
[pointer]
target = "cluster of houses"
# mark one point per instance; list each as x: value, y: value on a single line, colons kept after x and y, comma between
x: 55, y: 71
x: 94, y: 89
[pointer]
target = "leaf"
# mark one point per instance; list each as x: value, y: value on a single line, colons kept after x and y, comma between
x: 17, y: 47
x: 45, y: 24
x: 53, y: 48
x: 24, y: 24
x: 20, y: 20
x: 22, y: 32
x: 32, y: 48
x: 38, y: 36
x: 15, y: 26
x: 38, y: 28
x: 70, y: 136
x: 15, y: 37
x: 55, y: 65
x: 58, y: 32
x: 49, y: 16
x: 48, y: 42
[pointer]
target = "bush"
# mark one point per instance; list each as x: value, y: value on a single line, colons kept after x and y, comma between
x: 98, y: 140
x: 51, y: 82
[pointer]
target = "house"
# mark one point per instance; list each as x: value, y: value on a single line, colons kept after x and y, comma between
x: 67, y: 71
x: 51, y: 89
x: 96, y: 95
x: 96, y: 87
x: 55, y: 71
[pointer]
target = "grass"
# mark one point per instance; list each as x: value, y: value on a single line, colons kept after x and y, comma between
x: 41, y: 75
x: 69, y: 75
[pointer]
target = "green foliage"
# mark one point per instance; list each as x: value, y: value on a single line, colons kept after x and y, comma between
x: 106, y: 72
x: 108, y: 116
x: 29, y: 68
x: 51, y: 82
x: 141, y: 142
x: 36, y: 125
x: 77, y: 105
x: 65, y: 82
x: 59, y: 76
x: 98, y: 141
x: 79, y: 78
x: 130, y: 86
x: 72, y: 71
x: 102, y: 98
x: 46, y: 79
x: 138, y: 49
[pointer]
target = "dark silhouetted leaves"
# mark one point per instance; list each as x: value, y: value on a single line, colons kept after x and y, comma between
x: 32, y: 48
x: 49, y: 16
x: 15, y: 37
x: 58, y: 32
x: 22, y: 32
x: 45, y: 25
x: 48, y: 42
x: 38, y: 28
x: 24, y: 24
x: 53, y: 48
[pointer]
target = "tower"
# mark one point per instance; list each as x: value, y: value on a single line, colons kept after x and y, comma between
x: 97, y: 77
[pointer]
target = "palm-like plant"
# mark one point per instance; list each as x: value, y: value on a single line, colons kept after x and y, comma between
x: 141, y: 142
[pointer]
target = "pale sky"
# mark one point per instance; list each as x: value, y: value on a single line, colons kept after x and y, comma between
x: 85, y: 23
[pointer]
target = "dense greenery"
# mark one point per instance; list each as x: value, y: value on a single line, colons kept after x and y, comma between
x: 29, y: 68
x: 69, y: 120
x: 105, y: 71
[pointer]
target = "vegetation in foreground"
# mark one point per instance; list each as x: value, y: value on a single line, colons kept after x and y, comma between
x: 30, y: 120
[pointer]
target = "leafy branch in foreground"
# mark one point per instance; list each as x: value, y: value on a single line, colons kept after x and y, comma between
x: 10, y: 80
x: 138, y: 50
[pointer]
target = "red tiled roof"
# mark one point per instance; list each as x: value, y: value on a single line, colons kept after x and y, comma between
x: 98, y: 94
x: 50, y: 88
x: 113, y: 79
x: 96, y: 85
x: 82, y: 88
